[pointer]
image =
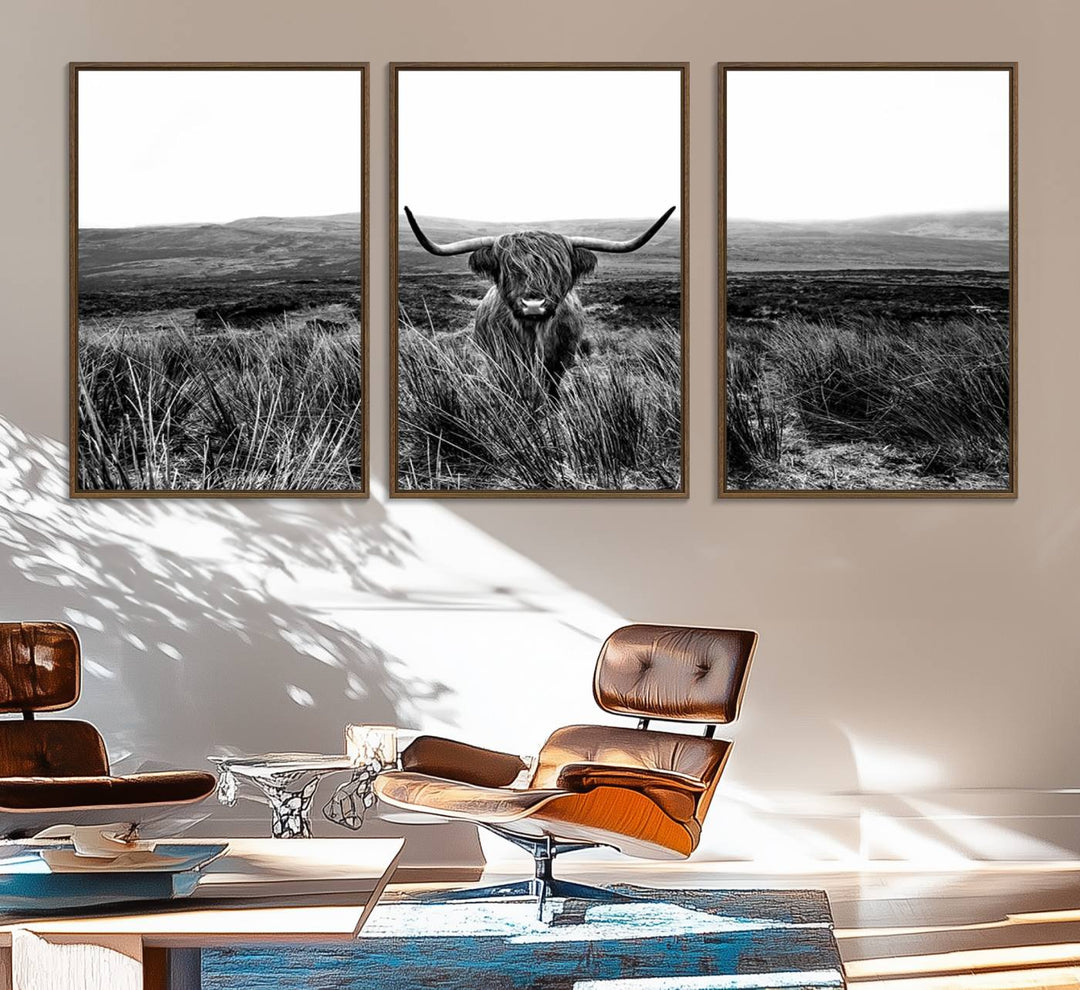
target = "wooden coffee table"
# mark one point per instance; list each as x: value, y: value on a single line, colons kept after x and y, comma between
x: 262, y: 890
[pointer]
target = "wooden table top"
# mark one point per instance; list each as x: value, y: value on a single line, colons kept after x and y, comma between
x: 260, y: 890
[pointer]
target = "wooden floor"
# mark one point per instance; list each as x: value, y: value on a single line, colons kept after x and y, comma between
x: 988, y: 926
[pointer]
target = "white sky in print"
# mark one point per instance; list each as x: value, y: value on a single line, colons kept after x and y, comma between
x: 839, y: 144
x: 538, y: 145
x: 209, y: 146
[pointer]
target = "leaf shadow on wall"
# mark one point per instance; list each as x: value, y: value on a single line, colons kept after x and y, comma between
x: 190, y: 644
x: 204, y: 632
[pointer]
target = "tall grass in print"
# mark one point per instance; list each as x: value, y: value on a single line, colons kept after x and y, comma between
x: 221, y: 357
x: 869, y: 404
x: 859, y: 378
x: 464, y: 424
x: 273, y: 408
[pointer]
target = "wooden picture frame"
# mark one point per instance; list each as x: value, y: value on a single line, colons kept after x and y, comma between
x: 1006, y: 490
x: 351, y: 478
x: 679, y: 488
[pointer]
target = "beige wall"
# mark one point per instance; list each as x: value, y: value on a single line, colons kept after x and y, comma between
x: 917, y: 685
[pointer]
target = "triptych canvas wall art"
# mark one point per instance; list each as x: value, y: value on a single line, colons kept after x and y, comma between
x: 219, y: 219
x: 539, y: 319
x: 868, y: 280
x: 539, y: 345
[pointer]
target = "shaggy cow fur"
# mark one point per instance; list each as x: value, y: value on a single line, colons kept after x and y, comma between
x: 532, y: 266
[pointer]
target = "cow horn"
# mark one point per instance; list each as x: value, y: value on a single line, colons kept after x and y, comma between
x: 619, y: 247
x: 454, y: 247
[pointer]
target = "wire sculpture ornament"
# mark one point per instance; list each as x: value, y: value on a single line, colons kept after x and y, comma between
x: 373, y: 749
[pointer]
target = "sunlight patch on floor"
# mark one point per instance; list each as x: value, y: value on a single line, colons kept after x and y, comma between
x: 1056, y: 978
x: 965, y: 961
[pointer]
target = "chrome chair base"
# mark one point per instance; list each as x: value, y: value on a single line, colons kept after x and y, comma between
x: 542, y: 886
x: 534, y: 889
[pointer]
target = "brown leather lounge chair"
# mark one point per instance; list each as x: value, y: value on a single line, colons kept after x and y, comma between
x: 56, y: 771
x: 645, y: 793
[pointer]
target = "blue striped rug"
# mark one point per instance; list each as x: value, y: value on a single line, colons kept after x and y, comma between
x: 664, y: 940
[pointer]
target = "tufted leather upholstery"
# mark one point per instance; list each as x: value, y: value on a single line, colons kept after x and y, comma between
x: 39, y: 666
x: 51, y: 748
x: 674, y: 672
x: 460, y: 799
x: 617, y: 745
x: 643, y: 792
x: 60, y: 765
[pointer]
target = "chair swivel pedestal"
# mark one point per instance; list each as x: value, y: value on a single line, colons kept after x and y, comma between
x: 543, y: 884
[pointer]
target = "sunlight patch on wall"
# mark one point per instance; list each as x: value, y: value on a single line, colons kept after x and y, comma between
x: 299, y: 696
x: 984, y: 838
x: 892, y: 769
x: 880, y: 832
x: 514, y: 644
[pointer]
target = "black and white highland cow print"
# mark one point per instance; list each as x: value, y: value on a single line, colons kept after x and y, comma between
x: 549, y: 362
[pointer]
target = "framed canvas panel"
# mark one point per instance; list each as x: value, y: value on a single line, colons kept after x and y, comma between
x: 538, y: 279
x: 219, y: 219
x: 868, y: 280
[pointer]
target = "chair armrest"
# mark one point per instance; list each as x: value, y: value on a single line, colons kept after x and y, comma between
x: 585, y: 776
x: 453, y: 760
x: 676, y: 793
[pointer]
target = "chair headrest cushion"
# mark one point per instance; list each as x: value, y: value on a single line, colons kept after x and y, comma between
x: 39, y: 666
x: 679, y: 673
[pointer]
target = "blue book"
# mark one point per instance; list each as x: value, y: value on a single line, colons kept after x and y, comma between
x: 36, y: 879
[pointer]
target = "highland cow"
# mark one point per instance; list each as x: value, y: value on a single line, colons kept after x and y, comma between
x: 531, y: 322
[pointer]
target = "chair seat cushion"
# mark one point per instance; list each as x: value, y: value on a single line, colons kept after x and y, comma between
x: 457, y: 799
x: 76, y: 793
x: 615, y: 816
x: 674, y: 793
